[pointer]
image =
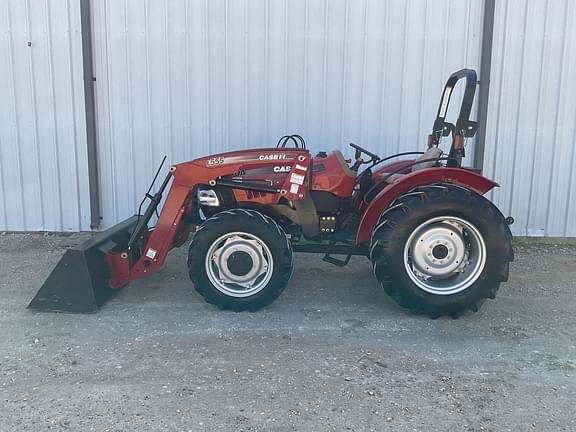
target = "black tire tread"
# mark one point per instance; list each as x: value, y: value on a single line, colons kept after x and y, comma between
x: 239, y: 217
x: 400, y: 211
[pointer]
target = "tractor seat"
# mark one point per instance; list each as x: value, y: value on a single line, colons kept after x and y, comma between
x: 427, y: 160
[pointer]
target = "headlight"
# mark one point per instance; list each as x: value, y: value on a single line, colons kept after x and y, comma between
x: 208, y: 197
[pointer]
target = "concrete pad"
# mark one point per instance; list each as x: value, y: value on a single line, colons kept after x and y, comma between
x: 332, y: 353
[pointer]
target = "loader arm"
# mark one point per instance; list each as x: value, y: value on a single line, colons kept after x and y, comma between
x: 212, y: 171
x: 130, y: 250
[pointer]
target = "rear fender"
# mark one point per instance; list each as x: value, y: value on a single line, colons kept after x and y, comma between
x: 458, y: 176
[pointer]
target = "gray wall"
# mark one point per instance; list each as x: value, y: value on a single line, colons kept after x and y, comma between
x: 189, y: 78
x: 186, y: 78
x: 531, y: 140
x: 43, y: 181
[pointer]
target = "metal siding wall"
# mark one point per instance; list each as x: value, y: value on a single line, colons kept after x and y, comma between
x: 531, y: 140
x: 43, y: 183
x: 192, y: 77
x: 187, y: 78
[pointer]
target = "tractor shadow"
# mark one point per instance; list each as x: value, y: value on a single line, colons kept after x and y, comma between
x: 321, y: 299
x: 317, y: 289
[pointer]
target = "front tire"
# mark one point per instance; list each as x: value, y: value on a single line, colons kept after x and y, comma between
x: 441, y: 250
x: 239, y: 260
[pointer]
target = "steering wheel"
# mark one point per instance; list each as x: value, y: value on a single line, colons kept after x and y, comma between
x: 358, y: 156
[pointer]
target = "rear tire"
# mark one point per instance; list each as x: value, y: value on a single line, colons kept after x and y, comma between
x: 239, y: 260
x: 441, y: 250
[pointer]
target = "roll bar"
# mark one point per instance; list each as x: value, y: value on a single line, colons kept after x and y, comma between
x: 464, y: 126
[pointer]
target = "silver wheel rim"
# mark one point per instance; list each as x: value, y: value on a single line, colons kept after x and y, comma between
x: 445, y: 255
x: 234, y: 279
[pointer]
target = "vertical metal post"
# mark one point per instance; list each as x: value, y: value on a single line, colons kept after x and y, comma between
x: 484, y: 90
x: 90, y: 110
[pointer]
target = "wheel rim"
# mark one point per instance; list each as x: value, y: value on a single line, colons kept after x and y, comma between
x: 445, y: 255
x: 239, y: 264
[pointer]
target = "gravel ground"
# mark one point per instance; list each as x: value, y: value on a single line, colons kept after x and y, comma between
x: 333, y: 353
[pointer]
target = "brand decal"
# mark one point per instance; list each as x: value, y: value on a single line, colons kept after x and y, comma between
x: 272, y: 157
x: 215, y: 161
x: 282, y: 169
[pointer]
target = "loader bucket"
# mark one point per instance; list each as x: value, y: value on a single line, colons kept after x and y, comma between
x: 79, y: 282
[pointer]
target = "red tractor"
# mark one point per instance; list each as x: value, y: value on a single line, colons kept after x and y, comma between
x: 437, y: 246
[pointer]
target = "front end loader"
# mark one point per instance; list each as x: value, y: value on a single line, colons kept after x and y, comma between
x: 437, y: 245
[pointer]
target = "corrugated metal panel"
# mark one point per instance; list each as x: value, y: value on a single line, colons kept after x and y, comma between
x: 193, y: 77
x: 531, y: 136
x: 42, y: 137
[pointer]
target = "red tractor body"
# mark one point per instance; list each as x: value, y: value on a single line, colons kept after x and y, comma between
x: 320, y: 203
